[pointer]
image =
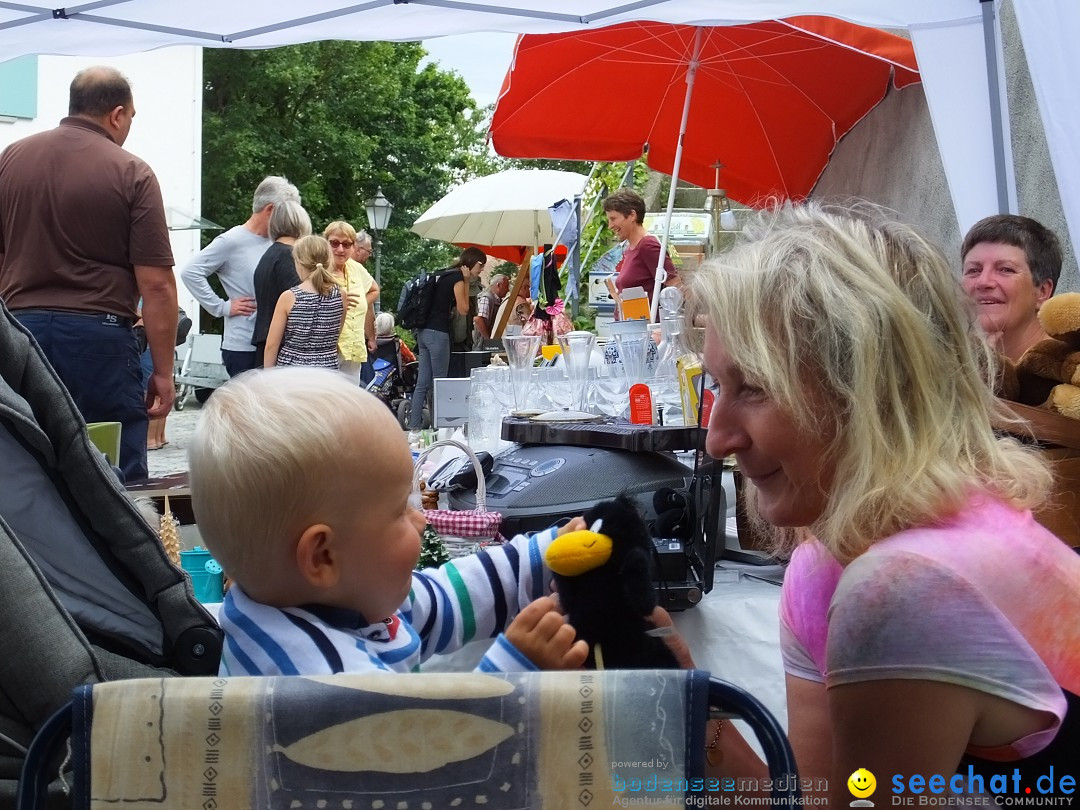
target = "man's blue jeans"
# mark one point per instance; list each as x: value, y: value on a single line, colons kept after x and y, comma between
x: 97, y: 359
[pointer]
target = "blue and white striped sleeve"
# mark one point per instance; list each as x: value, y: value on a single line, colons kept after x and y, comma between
x: 479, y: 595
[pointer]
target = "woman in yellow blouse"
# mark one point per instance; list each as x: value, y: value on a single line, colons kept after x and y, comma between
x: 360, y: 292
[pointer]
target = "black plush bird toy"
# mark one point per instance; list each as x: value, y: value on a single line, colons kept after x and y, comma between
x: 604, y: 578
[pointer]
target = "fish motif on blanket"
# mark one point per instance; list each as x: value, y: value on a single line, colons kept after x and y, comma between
x: 403, y: 741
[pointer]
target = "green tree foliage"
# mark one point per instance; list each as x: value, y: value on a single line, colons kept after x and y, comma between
x: 340, y: 119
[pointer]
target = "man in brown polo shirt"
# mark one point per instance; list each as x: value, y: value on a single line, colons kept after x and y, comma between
x: 82, y: 238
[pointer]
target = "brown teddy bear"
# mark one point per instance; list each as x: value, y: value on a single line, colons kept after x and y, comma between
x: 1048, y: 375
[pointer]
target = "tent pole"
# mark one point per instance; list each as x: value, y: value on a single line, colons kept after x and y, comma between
x: 996, y: 117
x: 691, y: 74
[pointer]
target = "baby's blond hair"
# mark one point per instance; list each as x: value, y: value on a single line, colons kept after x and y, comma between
x: 268, y: 455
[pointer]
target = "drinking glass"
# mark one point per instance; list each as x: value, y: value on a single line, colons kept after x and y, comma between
x: 520, y: 356
x: 633, y: 350
x: 612, y: 397
x: 577, y: 352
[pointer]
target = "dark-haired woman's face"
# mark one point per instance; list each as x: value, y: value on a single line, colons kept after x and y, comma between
x: 622, y: 225
x: 998, y: 280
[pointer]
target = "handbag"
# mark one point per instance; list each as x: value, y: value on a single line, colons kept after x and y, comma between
x: 463, y: 531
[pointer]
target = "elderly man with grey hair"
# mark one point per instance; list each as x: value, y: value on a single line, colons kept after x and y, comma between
x: 487, y: 307
x: 233, y: 256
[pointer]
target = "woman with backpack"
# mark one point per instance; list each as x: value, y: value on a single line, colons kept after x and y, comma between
x: 433, y: 338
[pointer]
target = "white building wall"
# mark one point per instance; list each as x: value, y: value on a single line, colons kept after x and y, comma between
x: 166, y: 132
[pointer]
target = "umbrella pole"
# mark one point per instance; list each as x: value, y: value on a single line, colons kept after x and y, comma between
x: 691, y: 74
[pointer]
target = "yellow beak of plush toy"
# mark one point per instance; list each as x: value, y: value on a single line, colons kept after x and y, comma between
x: 577, y: 552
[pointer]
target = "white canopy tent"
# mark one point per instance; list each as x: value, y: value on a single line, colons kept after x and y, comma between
x: 948, y: 36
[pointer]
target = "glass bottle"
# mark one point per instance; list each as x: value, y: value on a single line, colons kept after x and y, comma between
x: 665, y: 382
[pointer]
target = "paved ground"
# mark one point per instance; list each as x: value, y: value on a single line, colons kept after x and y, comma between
x: 179, y: 428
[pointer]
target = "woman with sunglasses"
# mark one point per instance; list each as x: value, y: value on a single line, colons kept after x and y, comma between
x: 360, y: 292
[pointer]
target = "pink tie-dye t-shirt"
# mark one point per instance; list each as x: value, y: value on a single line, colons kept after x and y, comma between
x: 987, y: 599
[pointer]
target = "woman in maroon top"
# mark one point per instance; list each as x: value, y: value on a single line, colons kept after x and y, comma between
x: 625, y: 210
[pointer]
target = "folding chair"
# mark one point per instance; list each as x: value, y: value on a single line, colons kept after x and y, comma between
x: 517, y: 740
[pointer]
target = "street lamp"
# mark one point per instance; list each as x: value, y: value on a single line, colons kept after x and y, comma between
x: 378, y: 216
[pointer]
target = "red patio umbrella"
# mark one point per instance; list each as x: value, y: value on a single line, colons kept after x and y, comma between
x: 770, y: 100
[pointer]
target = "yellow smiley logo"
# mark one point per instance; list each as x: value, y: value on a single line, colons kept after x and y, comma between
x: 862, y: 784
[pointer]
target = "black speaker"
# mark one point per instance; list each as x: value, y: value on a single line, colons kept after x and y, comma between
x: 534, y: 486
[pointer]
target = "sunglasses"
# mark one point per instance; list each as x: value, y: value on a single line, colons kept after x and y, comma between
x: 335, y: 244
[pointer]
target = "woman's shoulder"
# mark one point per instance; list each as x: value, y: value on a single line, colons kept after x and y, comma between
x: 449, y: 277
x: 358, y: 275
x: 983, y: 536
x: 988, y: 552
x: 279, y: 252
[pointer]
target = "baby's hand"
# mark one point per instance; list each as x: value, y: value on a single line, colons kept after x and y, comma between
x: 575, y: 525
x: 541, y: 634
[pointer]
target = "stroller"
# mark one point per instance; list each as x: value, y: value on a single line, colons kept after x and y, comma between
x: 394, y: 380
x: 88, y: 594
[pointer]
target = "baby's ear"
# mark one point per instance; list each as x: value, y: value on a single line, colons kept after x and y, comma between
x: 315, y: 558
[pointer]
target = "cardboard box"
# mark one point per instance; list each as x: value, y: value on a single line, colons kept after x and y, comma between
x: 634, y: 304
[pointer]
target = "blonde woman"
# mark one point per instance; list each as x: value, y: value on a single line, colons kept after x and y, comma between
x: 360, y: 293
x: 308, y: 317
x: 927, y: 621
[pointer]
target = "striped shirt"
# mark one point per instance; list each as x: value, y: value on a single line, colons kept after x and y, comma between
x: 468, y: 598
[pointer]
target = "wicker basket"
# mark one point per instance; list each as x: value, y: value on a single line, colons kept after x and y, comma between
x: 463, y: 531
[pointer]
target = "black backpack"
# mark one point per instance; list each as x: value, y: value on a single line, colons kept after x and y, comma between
x: 417, y: 297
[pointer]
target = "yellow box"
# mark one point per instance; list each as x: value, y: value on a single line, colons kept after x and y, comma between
x: 634, y: 304
x: 689, y: 370
x: 550, y: 351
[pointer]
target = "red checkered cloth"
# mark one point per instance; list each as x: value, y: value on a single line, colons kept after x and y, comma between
x: 465, y: 531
